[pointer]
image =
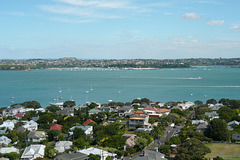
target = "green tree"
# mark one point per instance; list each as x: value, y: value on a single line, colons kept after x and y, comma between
x: 141, y: 143
x: 145, y: 100
x: 50, y: 152
x: 192, y: 149
x: 31, y: 104
x: 78, y: 133
x: 165, y: 149
x: 12, y: 156
x: 69, y: 104
x: 198, y: 102
x: 53, y: 135
x: 53, y: 108
x: 217, y: 130
x: 211, y: 101
x: 80, y: 143
x: 226, y: 113
x: 94, y: 157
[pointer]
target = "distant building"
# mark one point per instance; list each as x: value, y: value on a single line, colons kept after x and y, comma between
x: 72, y: 156
x: 202, y: 127
x: 5, y: 140
x: 4, y: 150
x: 33, y: 151
x: 232, y: 124
x: 88, y: 121
x: 66, y: 111
x: 125, y: 111
x: 96, y: 151
x: 139, y: 121
x: 56, y: 127
x: 130, y: 140
x: 88, y: 130
x: 236, y: 136
x: 12, y: 110
x: 31, y: 125
x: 151, y: 155
x: 61, y: 146
x: 36, y: 136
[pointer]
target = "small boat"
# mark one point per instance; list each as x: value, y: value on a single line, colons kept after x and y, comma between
x: 91, y: 88
x: 12, y: 97
x: 200, y: 78
x: 119, y: 91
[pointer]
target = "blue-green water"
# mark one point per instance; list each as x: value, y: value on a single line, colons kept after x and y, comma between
x: 118, y: 85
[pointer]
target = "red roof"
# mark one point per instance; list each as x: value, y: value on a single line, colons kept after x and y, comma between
x: 149, y: 108
x: 19, y: 115
x: 88, y: 121
x: 162, y: 110
x: 56, y: 126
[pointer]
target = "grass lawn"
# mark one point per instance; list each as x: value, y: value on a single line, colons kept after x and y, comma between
x: 227, y: 151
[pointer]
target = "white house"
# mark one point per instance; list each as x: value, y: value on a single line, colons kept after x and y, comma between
x: 31, y: 125
x: 26, y: 110
x: 12, y: 110
x: 61, y: 146
x: 88, y: 130
x: 33, y: 151
x: 185, y: 105
x: 8, y: 124
x: 96, y: 151
x: 36, y: 136
x: 4, y: 150
x: 5, y: 140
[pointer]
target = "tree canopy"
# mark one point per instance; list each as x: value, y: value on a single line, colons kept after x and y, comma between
x: 217, y: 130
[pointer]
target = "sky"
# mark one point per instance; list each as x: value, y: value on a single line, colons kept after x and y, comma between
x: 119, y: 29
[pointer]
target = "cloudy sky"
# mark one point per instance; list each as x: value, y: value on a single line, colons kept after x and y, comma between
x: 109, y: 29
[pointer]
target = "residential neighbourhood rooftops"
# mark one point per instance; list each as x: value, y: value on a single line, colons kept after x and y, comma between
x: 33, y: 151
x: 72, y: 156
x: 56, y: 126
x: 8, y: 150
x: 88, y: 121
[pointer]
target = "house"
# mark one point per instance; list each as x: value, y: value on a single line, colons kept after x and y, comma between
x: 156, y: 112
x: 3, y: 130
x: 3, y: 158
x: 146, y: 130
x: 236, y: 136
x: 94, y: 111
x: 125, y: 111
x: 88, y: 121
x: 212, y: 115
x: 130, y: 140
x: 151, y: 155
x: 30, y: 125
x: 8, y: 124
x: 5, y: 140
x: 185, y: 105
x: 40, y: 110
x: 215, y: 107
x: 61, y: 146
x: 139, y: 121
x: 26, y: 110
x: 12, y: 110
x: 72, y: 156
x: 4, y: 150
x: 36, y: 136
x: 202, y: 127
x: 59, y: 104
x: 232, y: 124
x: 96, y: 151
x: 56, y: 126
x: 18, y: 115
x: 35, y: 118
x: 33, y: 151
x: 88, y: 130
x: 66, y: 111
x: 198, y: 121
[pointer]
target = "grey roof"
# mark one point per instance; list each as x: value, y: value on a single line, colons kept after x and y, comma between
x: 84, y: 128
x: 201, y: 126
x: 14, y: 107
x: 151, y: 155
x: 72, y: 156
x: 125, y: 108
x: 35, y: 118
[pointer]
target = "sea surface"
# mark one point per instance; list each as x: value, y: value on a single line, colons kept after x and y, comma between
x: 104, y: 85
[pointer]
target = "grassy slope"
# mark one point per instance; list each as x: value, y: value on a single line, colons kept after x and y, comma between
x: 228, y: 151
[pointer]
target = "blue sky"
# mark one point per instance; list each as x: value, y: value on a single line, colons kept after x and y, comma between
x: 109, y: 29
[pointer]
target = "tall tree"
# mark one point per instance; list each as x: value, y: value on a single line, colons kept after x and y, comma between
x: 217, y: 130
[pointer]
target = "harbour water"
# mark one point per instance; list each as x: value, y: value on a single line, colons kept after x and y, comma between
x: 102, y: 85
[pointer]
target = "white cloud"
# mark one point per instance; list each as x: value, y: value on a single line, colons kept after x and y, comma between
x: 99, y: 3
x: 15, y: 13
x: 82, y: 12
x: 235, y: 28
x: 191, y: 16
x: 216, y: 23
